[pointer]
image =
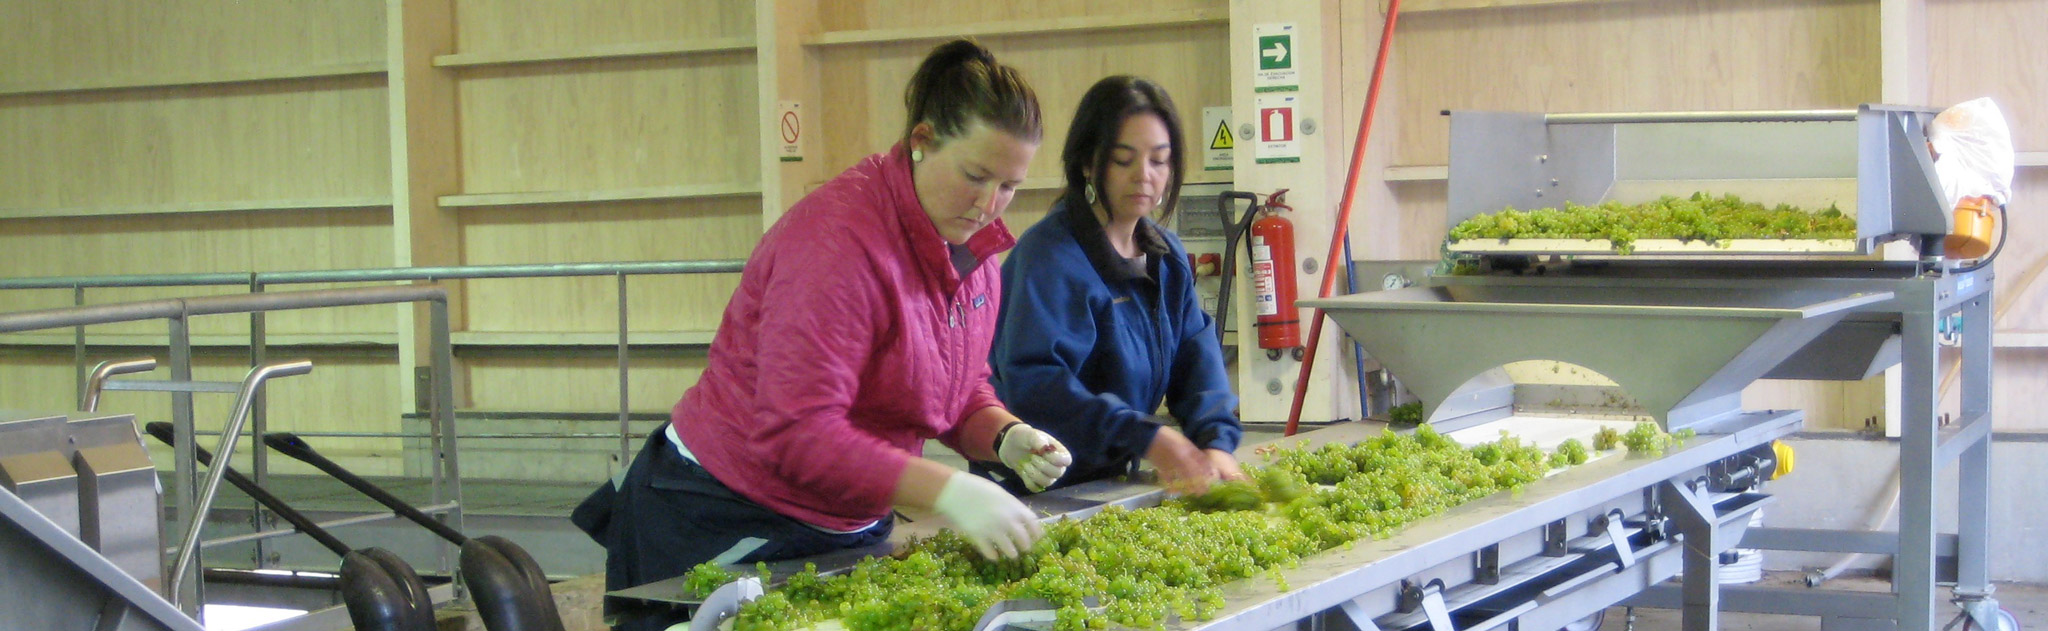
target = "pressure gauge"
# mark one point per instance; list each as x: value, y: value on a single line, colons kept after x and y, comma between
x: 1393, y: 281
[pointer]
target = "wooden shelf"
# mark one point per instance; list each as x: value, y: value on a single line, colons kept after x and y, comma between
x: 198, y: 207
x: 579, y: 338
x: 1418, y: 173
x: 689, y: 191
x: 1043, y: 183
x: 351, y: 69
x: 2031, y: 159
x: 1429, y: 6
x: 670, y: 48
x: 2020, y: 339
x: 1134, y: 21
x: 51, y: 338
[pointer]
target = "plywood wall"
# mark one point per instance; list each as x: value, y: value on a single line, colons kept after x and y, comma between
x: 609, y: 124
x: 258, y: 136
x: 892, y: 14
x: 58, y: 43
x: 335, y: 397
x: 497, y: 26
x: 613, y: 232
x: 1667, y: 55
x: 865, y: 83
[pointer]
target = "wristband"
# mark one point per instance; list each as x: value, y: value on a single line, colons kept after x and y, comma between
x: 997, y: 447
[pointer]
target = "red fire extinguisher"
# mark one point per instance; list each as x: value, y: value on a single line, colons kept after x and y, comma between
x: 1272, y: 254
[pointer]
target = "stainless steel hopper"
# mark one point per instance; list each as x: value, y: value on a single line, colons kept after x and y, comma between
x: 1683, y: 353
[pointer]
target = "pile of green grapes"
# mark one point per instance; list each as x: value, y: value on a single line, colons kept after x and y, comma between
x: 1697, y: 218
x: 1149, y: 566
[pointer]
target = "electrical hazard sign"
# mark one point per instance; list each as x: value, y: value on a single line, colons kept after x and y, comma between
x: 1217, y: 155
x: 1277, y: 142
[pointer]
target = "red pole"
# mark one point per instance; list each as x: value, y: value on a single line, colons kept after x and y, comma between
x: 1372, y: 101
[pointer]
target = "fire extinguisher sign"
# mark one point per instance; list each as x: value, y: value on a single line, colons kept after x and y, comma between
x: 1277, y: 143
x: 1265, y: 296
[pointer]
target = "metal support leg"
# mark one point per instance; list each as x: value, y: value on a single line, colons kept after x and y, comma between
x: 185, y: 465
x: 448, y: 485
x: 259, y: 425
x: 78, y: 341
x: 625, y: 441
x: 1973, y: 504
x: 1694, y: 517
x: 1913, y: 575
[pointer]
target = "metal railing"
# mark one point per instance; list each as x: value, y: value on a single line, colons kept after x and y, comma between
x: 258, y: 281
x: 191, y: 499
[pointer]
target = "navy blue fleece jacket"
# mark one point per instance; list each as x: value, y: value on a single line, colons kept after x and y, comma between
x: 1088, y: 345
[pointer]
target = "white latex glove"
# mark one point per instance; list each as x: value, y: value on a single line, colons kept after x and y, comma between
x: 1036, y: 456
x: 993, y: 520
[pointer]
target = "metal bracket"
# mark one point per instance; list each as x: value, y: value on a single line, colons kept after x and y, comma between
x: 1980, y: 608
x: 1611, y: 522
x: 1358, y: 616
x: 1486, y: 565
x: 1010, y: 612
x: 1555, y: 539
x: 724, y: 602
x: 1430, y: 598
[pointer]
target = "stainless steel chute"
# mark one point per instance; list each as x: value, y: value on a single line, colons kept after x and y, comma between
x: 1683, y: 354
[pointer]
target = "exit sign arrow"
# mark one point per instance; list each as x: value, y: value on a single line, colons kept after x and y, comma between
x: 1278, y: 52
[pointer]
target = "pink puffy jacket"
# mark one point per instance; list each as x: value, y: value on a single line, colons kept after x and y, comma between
x: 850, y: 341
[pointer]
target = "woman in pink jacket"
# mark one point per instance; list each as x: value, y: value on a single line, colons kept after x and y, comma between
x: 860, y: 329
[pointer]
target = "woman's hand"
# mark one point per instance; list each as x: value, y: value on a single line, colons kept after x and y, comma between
x: 1225, y: 465
x: 1182, y: 466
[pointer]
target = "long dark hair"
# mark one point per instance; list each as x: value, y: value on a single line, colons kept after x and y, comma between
x: 1097, y: 122
x: 959, y: 83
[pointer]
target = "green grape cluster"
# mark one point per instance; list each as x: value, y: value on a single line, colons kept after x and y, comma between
x: 706, y: 577
x: 1700, y: 217
x: 1149, y: 567
x: 1606, y: 439
x: 1570, y: 452
x: 1406, y: 414
x: 1645, y: 438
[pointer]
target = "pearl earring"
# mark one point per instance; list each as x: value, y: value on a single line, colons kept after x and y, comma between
x: 917, y: 155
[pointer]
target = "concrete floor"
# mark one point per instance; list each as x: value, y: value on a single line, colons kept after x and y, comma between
x: 2027, y: 602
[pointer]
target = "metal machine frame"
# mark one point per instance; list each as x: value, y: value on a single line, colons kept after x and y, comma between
x: 1873, y: 161
x: 1561, y: 549
x: 1683, y: 337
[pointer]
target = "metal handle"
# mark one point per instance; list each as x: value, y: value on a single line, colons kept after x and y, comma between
x: 250, y: 386
x: 98, y: 381
x: 1783, y: 116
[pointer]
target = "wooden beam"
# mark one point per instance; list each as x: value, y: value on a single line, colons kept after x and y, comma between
x: 1428, y: 6
x: 671, y: 48
x: 425, y: 165
x: 579, y: 338
x: 351, y: 69
x: 1085, y: 24
x: 1418, y: 173
x: 688, y: 191
x: 198, y: 207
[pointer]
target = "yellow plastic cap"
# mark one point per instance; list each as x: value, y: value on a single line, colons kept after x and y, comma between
x: 1785, y: 458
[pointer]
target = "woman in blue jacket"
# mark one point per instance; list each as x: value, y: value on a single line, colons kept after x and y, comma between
x: 1100, y: 321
